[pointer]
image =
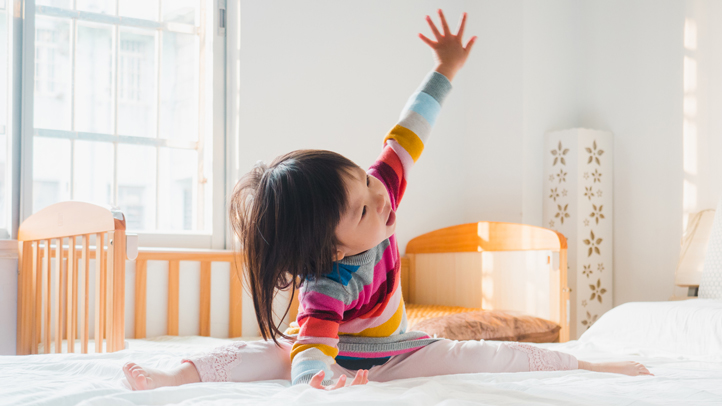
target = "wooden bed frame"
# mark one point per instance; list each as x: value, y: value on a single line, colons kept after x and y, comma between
x: 444, y: 267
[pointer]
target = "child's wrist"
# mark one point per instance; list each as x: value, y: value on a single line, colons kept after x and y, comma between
x: 446, y: 70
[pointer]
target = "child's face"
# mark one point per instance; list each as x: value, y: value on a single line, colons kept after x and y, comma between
x: 368, y: 219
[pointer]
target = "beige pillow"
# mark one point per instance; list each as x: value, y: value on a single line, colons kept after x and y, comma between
x: 491, y: 325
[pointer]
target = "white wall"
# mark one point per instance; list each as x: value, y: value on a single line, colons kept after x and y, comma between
x: 631, y: 85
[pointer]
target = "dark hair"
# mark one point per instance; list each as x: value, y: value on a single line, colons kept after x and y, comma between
x: 285, y: 216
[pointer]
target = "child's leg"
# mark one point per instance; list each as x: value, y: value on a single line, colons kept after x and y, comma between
x: 456, y: 357
x: 237, y: 362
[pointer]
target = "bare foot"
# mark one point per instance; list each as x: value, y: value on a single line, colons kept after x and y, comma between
x: 630, y: 368
x: 144, y: 378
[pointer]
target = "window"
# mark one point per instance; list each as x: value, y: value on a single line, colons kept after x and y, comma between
x: 124, y: 113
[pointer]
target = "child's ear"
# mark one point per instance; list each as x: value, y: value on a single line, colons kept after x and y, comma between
x: 339, y: 255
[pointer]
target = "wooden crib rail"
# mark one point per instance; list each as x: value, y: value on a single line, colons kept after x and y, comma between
x: 41, y: 315
x: 205, y: 257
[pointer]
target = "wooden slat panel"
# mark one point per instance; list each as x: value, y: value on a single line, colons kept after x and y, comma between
x: 38, y: 266
x: 46, y: 293
x: 173, y: 287
x: 71, y: 296
x: 119, y: 256
x: 167, y: 254
x: 84, y: 293
x: 58, y: 308
x: 99, y: 314
x: 235, y: 315
x: 140, y: 297
x: 205, y: 305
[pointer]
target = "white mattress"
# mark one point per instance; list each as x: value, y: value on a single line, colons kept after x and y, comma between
x: 69, y: 379
x: 680, y: 343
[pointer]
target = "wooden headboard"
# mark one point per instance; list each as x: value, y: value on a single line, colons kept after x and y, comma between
x: 448, y: 267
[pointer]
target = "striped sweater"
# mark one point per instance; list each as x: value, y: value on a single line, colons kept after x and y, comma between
x: 355, y: 314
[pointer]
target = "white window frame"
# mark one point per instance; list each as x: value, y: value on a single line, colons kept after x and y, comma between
x: 188, y: 239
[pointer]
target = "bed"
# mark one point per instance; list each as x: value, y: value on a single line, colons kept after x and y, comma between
x: 679, y: 341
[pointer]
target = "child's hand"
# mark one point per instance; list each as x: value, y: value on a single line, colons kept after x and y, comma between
x: 449, y: 53
x: 361, y: 379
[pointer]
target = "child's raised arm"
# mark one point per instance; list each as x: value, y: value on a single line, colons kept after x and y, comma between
x: 405, y: 142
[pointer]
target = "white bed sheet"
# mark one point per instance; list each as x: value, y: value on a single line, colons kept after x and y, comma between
x: 69, y: 379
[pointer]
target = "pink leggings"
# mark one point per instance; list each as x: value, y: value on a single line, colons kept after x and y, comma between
x: 263, y: 360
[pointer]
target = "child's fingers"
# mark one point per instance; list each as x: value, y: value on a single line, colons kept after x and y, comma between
x: 469, y: 44
x: 444, y: 25
x: 359, y: 379
x: 340, y: 383
x: 436, y: 32
x: 316, y: 380
x: 462, y: 24
x: 427, y: 41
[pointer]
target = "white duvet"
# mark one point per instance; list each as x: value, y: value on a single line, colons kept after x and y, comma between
x: 682, y: 376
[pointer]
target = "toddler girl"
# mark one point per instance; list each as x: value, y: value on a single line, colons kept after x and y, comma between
x: 315, y: 221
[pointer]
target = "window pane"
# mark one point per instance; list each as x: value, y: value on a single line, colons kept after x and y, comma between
x: 137, y: 83
x: 181, y: 11
x: 179, y: 87
x: 51, y: 171
x: 97, y: 6
x: 145, y: 9
x: 136, y: 186
x: 93, y: 79
x: 93, y: 172
x: 52, y: 73
x: 55, y: 3
x: 177, y: 189
x: 3, y: 176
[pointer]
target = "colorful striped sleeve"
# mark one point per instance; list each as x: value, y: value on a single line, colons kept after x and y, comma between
x: 316, y: 345
x: 405, y: 142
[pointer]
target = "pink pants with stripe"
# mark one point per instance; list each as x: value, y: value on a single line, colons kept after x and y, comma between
x: 262, y: 360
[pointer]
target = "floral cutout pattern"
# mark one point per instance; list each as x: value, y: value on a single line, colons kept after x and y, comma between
x: 554, y: 194
x: 587, y: 270
x: 551, y: 178
x: 586, y: 175
x: 562, y: 213
x: 600, y: 267
x: 597, y: 176
x: 551, y: 223
x: 586, y: 222
x: 562, y: 176
x: 584, y: 303
x: 590, y: 320
x: 588, y: 193
x: 564, y: 192
x: 559, y: 154
x: 597, y: 213
x: 594, y: 154
x: 597, y: 291
x: 599, y: 193
x: 593, y: 244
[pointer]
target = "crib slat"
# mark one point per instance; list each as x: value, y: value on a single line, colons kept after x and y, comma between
x: 205, y: 305
x: 173, y: 287
x: 84, y: 293
x: 25, y: 298
x: 38, y: 270
x: 57, y: 310
x: 99, y: 292
x: 71, y: 309
x: 75, y: 292
x: 109, y: 298
x: 235, y: 322
x: 140, y: 297
x: 46, y: 291
x: 119, y: 256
